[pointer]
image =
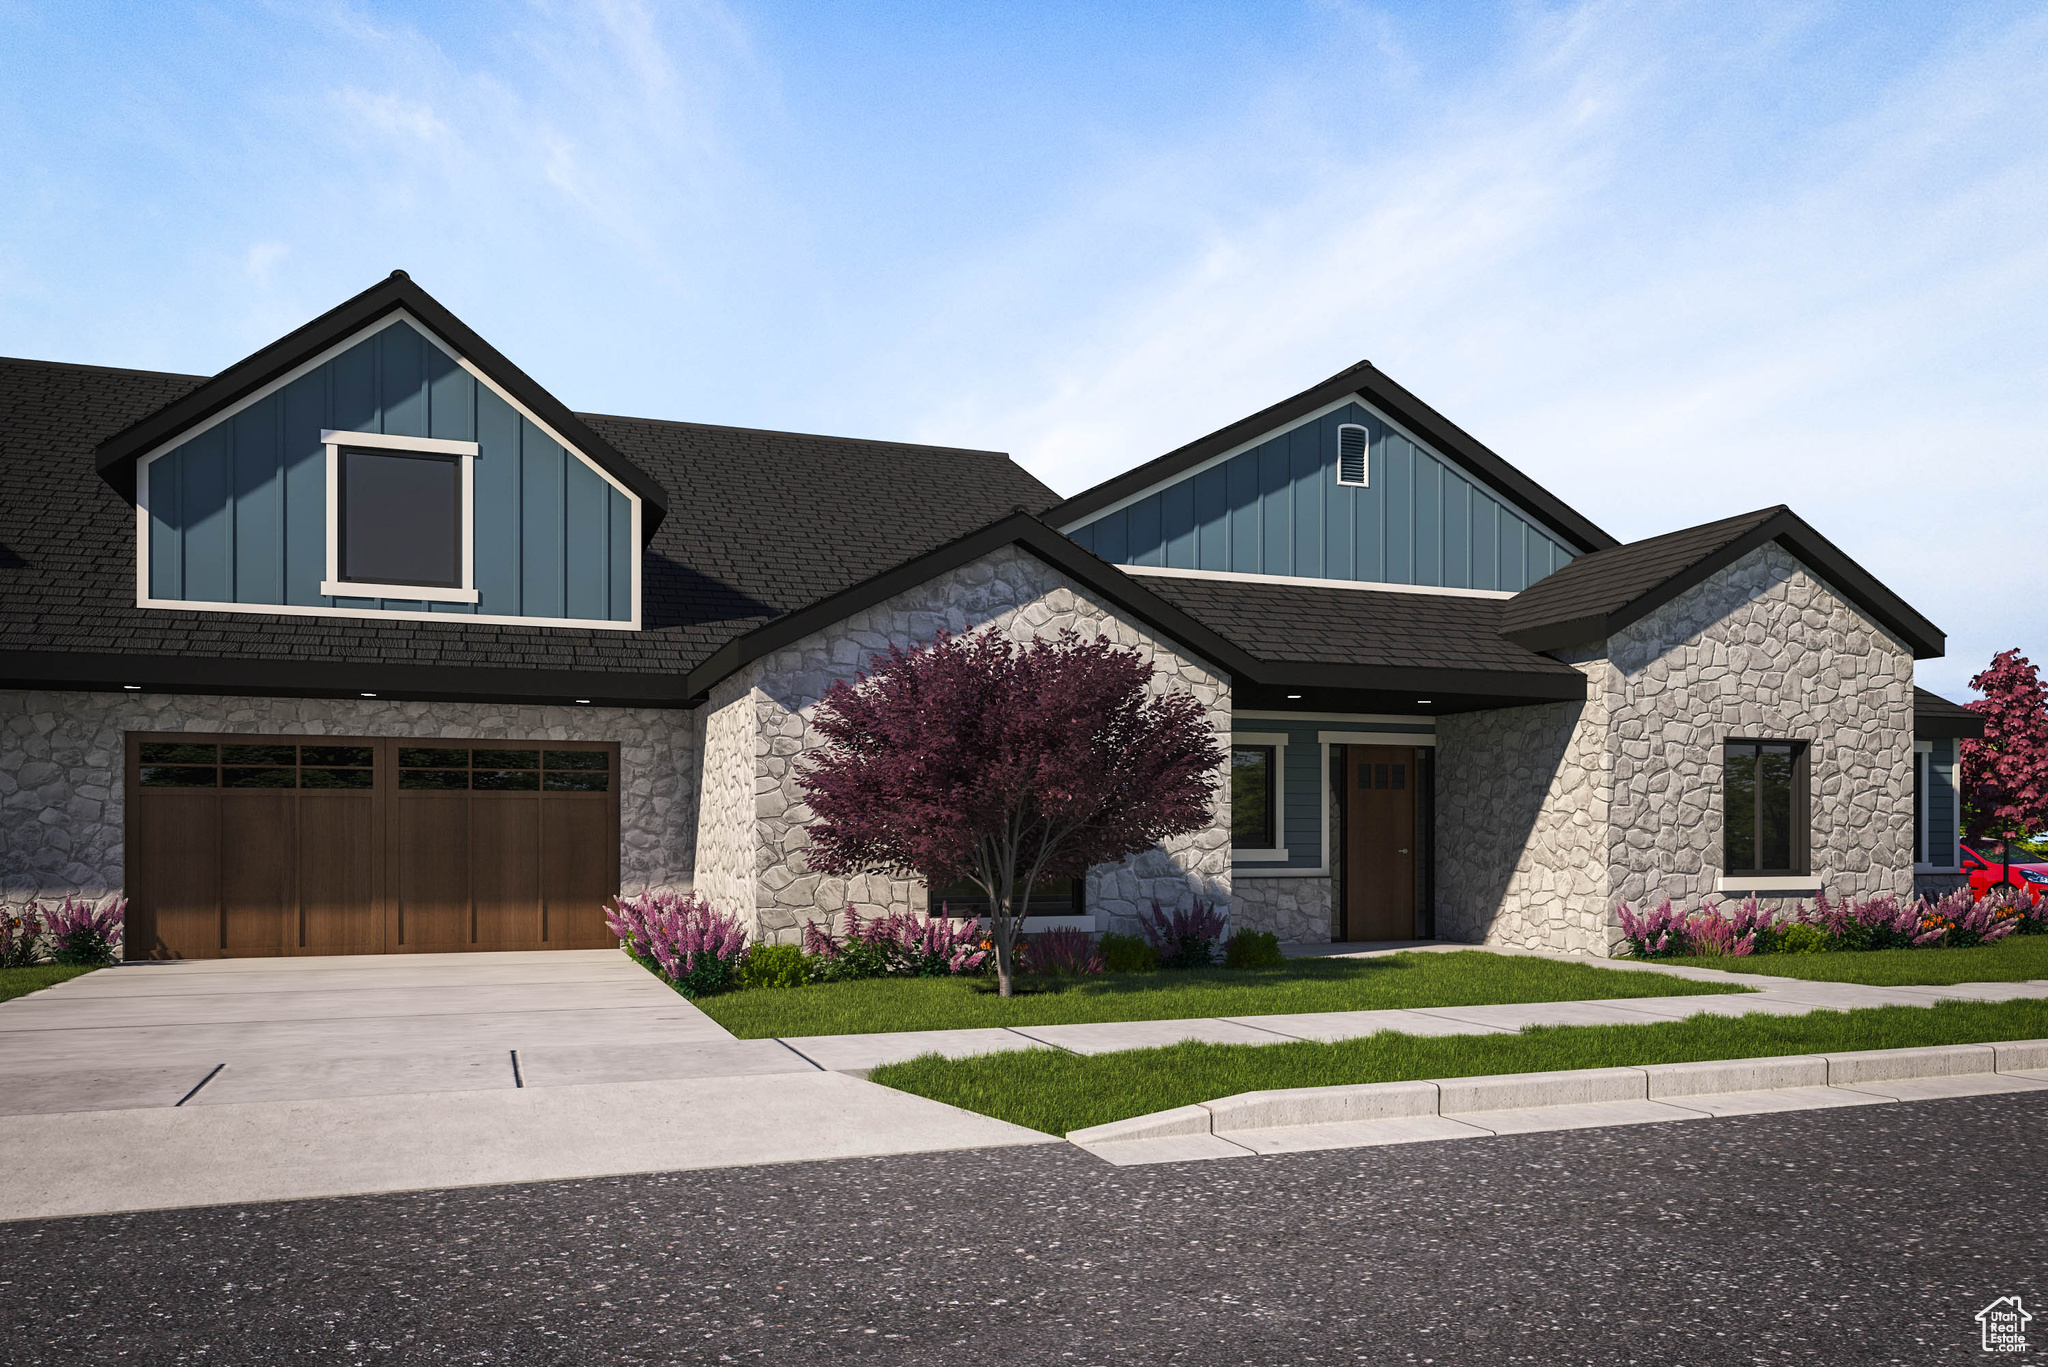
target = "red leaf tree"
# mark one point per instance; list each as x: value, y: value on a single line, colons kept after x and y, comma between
x: 972, y: 758
x: 2005, y: 775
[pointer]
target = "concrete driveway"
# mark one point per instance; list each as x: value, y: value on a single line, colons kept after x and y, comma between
x: 254, y: 1079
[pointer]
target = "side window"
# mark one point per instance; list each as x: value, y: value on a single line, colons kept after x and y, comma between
x: 400, y: 518
x: 1252, y: 797
x: 1766, y: 815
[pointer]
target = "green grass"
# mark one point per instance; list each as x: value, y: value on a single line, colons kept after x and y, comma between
x: 1056, y: 1092
x: 19, y: 982
x: 2017, y: 958
x: 1464, y: 978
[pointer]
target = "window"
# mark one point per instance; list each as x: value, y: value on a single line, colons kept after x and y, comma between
x: 399, y: 518
x: 180, y: 764
x: 480, y: 770
x: 1354, y: 445
x: 1765, y: 815
x: 1049, y: 897
x: 1252, y: 796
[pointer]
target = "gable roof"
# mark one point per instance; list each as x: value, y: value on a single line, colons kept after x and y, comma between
x: 117, y: 453
x: 1597, y: 595
x: 1373, y: 385
x: 1358, y: 650
x: 762, y: 524
x: 1936, y: 718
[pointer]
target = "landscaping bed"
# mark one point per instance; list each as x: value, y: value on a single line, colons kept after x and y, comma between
x: 1461, y: 978
x: 19, y: 982
x: 2017, y: 958
x: 1057, y: 1092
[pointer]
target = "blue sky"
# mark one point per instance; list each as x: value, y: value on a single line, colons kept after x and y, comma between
x: 1675, y: 261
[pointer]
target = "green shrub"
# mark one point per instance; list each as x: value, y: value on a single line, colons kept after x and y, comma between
x: 1126, y: 954
x: 1798, y: 937
x: 774, y: 966
x: 1253, y: 949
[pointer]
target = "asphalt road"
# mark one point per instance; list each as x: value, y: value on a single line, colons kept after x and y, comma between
x: 1866, y: 1234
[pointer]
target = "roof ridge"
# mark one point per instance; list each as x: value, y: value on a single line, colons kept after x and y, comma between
x: 809, y: 436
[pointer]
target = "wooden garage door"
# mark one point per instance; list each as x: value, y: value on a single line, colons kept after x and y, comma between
x: 254, y: 845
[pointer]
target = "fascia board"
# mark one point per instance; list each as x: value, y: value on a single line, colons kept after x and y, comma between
x: 324, y: 679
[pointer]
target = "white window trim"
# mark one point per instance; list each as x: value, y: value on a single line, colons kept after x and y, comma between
x: 1309, y: 582
x: 1278, y: 740
x: 1342, y: 428
x: 371, y: 329
x: 334, y: 586
x: 1373, y: 738
x: 1781, y: 883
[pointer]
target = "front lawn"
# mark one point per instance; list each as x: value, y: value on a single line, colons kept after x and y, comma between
x: 19, y: 982
x: 1463, y: 978
x: 1054, y: 1091
x: 2015, y: 959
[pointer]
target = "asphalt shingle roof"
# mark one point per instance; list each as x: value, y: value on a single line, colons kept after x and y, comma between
x: 1604, y: 582
x: 760, y: 523
x: 1299, y: 624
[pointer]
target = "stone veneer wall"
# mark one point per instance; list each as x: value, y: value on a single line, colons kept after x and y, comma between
x: 1295, y: 909
x: 1549, y: 815
x: 62, y: 787
x: 1008, y: 591
x: 1522, y: 796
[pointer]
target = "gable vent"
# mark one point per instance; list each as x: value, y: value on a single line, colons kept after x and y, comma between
x: 1352, y: 444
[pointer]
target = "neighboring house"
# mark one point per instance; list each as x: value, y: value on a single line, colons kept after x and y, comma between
x: 370, y: 644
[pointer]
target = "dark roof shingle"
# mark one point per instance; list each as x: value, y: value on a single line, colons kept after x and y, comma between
x: 759, y: 523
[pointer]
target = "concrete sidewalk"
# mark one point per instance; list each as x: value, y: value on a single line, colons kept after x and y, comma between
x: 857, y: 1054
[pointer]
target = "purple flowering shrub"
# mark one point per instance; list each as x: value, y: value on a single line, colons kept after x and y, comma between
x: 695, y: 948
x: 896, y: 944
x: 1956, y: 921
x: 21, y: 936
x: 1183, y: 938
x: 1065, y: 951
x: 81, y: 933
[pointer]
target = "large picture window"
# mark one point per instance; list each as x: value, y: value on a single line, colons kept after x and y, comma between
x: 400, y: 518
x: 1049, y: 897
x: 1766, y: 814
x: 1254, y: 797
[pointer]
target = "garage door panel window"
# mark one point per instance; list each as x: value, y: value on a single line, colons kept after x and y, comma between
x: 498, y: 770
x: 188, y: 765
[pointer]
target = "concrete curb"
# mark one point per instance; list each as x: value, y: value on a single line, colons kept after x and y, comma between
x: 1472, y: 1098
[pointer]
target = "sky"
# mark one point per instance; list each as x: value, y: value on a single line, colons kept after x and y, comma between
x: 1674, y: 261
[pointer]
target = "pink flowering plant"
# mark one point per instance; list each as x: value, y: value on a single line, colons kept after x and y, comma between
x: 896, y: 944
x: 1956, y: 921
x: 83, y: 933
x: 680, y: 937
x: 21, y: 936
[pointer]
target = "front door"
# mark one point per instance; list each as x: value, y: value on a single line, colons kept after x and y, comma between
x: 1379, y: 842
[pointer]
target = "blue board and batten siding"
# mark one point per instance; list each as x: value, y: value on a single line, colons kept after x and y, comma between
x: 1939, y: 804
x: 238, y: 514
x: 1278, y: 509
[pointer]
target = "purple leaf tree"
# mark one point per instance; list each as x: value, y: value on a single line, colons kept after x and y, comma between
x: 2005, y: 775
x: 973, y: 758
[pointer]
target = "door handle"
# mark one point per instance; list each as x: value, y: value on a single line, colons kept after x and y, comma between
x: 1400, y: 851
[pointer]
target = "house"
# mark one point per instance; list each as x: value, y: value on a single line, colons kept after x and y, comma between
x: 370, y: 644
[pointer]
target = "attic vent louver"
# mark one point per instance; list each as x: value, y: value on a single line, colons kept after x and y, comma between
x: 1352, y: 444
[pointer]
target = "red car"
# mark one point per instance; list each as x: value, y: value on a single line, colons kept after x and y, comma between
x: 1986, y: 867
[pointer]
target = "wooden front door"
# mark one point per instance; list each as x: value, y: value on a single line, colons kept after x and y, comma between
x: 1379, y: 842
x: 263, y: 845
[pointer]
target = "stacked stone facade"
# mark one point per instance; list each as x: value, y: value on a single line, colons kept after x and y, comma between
x: 1297, y: 910
x: 63, y: 791
x: 755, y: 837
x: 1549, y: 816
